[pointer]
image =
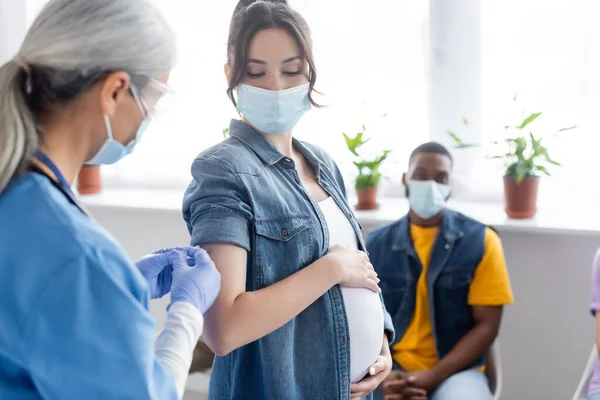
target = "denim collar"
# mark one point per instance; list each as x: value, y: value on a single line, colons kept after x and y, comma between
x: 450, y: 229
x: 264, y: 149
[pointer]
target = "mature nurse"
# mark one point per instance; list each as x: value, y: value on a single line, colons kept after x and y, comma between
x: 75, y: 321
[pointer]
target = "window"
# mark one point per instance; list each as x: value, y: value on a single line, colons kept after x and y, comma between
x: 371, y: 60
x: 548, y: 52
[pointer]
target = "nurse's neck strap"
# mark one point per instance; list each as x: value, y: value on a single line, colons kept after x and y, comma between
x: 67, y: 193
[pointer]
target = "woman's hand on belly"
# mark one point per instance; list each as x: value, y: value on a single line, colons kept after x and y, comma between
x: 355, y: 269
x: 377, y: 373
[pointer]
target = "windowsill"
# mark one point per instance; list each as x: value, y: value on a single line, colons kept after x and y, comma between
x: 577, y: 221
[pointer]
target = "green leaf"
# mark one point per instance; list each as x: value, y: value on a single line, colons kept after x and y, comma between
x: 567, y: 129
x: 542, y: 169
x: 529, y: 120
x: 520, y: 172
x: 459, y: 143
x: 225, y: 133
x: 353, y: 143
x: 464, y: 121
x: 367, y: 181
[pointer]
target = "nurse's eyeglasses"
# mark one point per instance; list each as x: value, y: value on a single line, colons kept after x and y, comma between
x: 153, y: 99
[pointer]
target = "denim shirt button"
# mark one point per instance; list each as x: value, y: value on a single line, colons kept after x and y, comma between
x: 336, y: 294
x: 284, y: 232
x: 447, y: 246
x: 345, y: 382
x: 343, y: 339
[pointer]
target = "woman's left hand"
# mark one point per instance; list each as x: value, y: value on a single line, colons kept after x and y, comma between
x: 377, y: 373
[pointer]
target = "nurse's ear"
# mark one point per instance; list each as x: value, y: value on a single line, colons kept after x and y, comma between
x: 114, y: 90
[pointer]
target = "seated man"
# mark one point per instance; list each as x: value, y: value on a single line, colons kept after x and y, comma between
x: 444, y: 282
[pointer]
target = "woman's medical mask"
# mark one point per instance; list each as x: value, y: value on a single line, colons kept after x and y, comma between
x: 427, y: 198
x: 273, y: 112
x: 112, y: 150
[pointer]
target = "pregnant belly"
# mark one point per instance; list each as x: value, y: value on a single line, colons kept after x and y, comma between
x: 365, y: 324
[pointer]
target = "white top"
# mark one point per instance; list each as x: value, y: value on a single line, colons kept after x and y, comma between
x: 175, y: 345
x: 363, y: 306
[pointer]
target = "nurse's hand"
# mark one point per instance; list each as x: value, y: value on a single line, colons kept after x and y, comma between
x: 196, y: 280
x: 157, y: 268
x: 355, y: 269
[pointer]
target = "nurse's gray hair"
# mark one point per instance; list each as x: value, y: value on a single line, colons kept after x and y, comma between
x: 70, y: 46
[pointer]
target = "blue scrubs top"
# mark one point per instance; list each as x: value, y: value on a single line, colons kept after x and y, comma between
x: 74, y: 319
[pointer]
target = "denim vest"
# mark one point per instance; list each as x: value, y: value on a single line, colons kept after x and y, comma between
x: 246, y: 193
x: 456, y: 253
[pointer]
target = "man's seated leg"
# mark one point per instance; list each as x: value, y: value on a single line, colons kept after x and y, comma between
x: 467, y: 385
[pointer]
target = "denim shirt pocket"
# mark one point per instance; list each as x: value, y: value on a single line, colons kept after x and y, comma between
x: 284, y: 245
x: 453, y: 286
x: 396, y: 292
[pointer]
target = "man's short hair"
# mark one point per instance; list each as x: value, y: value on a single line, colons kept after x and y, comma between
x: 430, y: 147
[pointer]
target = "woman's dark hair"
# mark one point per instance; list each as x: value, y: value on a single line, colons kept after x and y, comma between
x: 253, y: 16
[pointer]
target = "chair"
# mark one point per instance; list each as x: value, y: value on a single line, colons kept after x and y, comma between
x: 493, y: 370
x: 581, y: 392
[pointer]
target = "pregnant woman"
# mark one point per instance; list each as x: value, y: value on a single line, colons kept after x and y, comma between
x: 299, y: 315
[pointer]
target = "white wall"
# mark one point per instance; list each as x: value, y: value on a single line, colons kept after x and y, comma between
x: 546, y: 335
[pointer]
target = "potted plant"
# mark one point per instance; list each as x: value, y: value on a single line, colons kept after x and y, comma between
x: 525, y: 158
x: 369, y: 176
x: 89, y: 180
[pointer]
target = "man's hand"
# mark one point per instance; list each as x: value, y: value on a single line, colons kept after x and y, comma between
x: 427, y: 379
x: 397, y: 387
x: 378, y: 372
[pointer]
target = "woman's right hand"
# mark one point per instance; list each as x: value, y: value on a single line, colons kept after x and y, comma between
x: 355, y: 269
x: 196, y: 280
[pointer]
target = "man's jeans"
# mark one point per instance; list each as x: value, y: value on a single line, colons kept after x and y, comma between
x: 467, y: 385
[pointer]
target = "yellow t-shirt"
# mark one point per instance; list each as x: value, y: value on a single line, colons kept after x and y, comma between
x: 490, y: 287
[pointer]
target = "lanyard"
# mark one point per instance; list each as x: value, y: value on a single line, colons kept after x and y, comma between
x: 62, y: 185
x: 44, y: 159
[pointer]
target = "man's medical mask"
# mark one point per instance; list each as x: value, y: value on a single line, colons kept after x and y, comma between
x: 427, y: 198
x: 273, y: 112
x: 112, y: 150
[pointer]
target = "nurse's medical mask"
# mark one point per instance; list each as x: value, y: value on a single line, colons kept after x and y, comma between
x: 427, y: 198
x: 273, y: 112
x: 112, y: 150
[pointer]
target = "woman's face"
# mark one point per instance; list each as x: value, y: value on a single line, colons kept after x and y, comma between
x: 275, y: 61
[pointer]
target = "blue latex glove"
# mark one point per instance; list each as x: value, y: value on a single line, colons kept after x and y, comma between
x: 196, y: 280
x: 158, y: 270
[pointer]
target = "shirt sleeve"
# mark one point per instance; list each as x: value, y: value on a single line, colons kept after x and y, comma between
x: 91, y: 336
x: 491, y: 284
x: 595, y: 304
x: 215, y: 207
x: 176, y: 343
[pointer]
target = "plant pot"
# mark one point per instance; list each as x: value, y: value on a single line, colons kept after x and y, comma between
x: 521, y: 199
x: 367, y: 199
x: 89, y: 180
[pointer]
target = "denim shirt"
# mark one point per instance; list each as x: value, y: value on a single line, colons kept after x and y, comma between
x: 248, y: 194
x: 456, y: 253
